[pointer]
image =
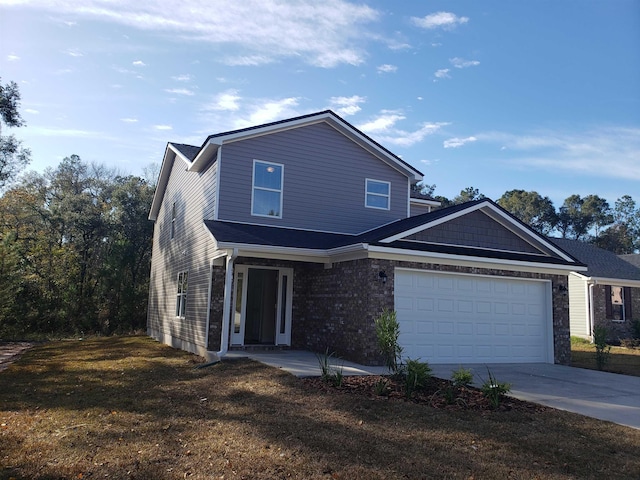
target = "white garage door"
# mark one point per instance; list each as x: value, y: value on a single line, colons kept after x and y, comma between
x: 456, y: 318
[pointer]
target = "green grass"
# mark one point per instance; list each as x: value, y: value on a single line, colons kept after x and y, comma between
x: 130, y: 408
x: 621, y: 360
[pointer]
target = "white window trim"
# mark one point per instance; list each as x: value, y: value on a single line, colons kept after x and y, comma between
x: 173, y: 220
x: 253, y: 187
x: 367, y: 193
x: 181, y: 297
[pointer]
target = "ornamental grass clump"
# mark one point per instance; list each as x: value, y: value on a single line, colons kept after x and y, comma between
x: 494, y: 391
x: 387, y: 333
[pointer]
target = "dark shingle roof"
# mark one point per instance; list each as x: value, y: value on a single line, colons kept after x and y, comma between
x: 188, y: 151
x: 632, y: 258
x: 601, y: 263
x: 260, y: 235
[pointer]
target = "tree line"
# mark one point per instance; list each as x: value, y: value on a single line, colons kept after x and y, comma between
x: 590, y: 218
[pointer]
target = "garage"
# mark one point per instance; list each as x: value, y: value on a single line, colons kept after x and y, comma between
x: 463, y: 318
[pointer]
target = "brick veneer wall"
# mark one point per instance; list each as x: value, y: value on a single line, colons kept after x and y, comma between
x: 215, y: 308
x: 334, y: 308
x: 616, y: 330
x: 338, y: 306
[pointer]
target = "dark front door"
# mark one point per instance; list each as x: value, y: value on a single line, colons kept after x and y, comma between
x: 262, y: 306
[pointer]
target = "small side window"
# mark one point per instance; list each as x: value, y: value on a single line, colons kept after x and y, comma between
x: 377, y: 193
x: 173, y: 220
x: 181, y: 300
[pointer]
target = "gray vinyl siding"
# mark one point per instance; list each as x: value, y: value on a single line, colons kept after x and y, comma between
x: 417, y: 209
x: 324, y: 181
x: 189, y: 251
x: 578, y: 307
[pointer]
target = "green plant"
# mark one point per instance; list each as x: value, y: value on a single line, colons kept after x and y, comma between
x: 494, y: 390
x: 602, y: 349
x: 381, y: 387
x: 328, y: 372
x: 387, y: 333
x: 416, y: 374
x: 579, y: 341
x: 462, y: 377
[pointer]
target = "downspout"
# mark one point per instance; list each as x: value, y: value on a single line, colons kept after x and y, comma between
x: 226, y: 305
x: 591, y: 311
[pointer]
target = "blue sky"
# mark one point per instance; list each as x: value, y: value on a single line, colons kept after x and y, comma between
x: 497, y: 95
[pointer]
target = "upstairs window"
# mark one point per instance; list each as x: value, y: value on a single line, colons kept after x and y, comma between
x: 181, y: 299
x: 266, y: 197
x: 377, y: 194
x: 173, y: 220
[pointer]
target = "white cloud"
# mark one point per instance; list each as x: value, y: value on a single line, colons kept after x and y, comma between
x: 182, y: 78
x: 345, y: 106
x: 445, y: 20
x: 64, y: 132
x: 383, y: 122
x: 384, y: 129
x: 180, y: 91
x: 12, y: 58
x: 458, y: 142
x: 248, y: 32
x: 610, y: 152
x: 462, y: 63
x: 139, y: 63
x: 129, y: 120
x: 72, y: 52
x: 442, y: 73
x: 269, y: 111
x: 225, y: 101
x: 163, y: 127
x: 31, y: 111
x: 386, y: 68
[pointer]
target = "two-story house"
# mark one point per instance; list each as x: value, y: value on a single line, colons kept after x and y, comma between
x: 299, y: 233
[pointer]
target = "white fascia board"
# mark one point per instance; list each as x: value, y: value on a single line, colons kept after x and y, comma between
x: 170, y: 154
x: 422, y: 201
x: 468, y: 261
x: 205, y: 154
x: 613, y: 281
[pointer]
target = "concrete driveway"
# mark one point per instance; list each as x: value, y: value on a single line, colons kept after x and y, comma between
x: 607, y: 396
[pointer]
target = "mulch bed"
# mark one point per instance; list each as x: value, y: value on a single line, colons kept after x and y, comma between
x: 438, y: 393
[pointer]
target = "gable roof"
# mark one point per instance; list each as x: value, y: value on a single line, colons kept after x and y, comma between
x: 632, y: 258
x: 601, y: 264
x: 197, y: 158
x: 389, y: 240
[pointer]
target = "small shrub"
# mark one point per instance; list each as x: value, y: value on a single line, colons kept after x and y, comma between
x: 328, y: 372
x: 381, y: 387
x: 416, y: 375
x: 630, y: 343
x: 387, y: 333
x: 494, y: 391
x: 462, y: 377
x: 602, y: 349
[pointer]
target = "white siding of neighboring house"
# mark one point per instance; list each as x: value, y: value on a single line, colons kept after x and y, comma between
x: 190, y: 250
x: 578, y: 307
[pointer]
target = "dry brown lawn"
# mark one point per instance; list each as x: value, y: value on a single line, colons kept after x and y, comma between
x: 621, y: 360
x: 130, y: 408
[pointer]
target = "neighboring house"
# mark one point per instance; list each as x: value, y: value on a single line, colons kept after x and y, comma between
x: 297, y: 234
x: 632, y: 258
x: 607, y: 294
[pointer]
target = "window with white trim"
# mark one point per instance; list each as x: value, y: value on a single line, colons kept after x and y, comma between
x: 377, y: 194
x: 173, y: 220
x: 181, y: 299
x: 266, y: 193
